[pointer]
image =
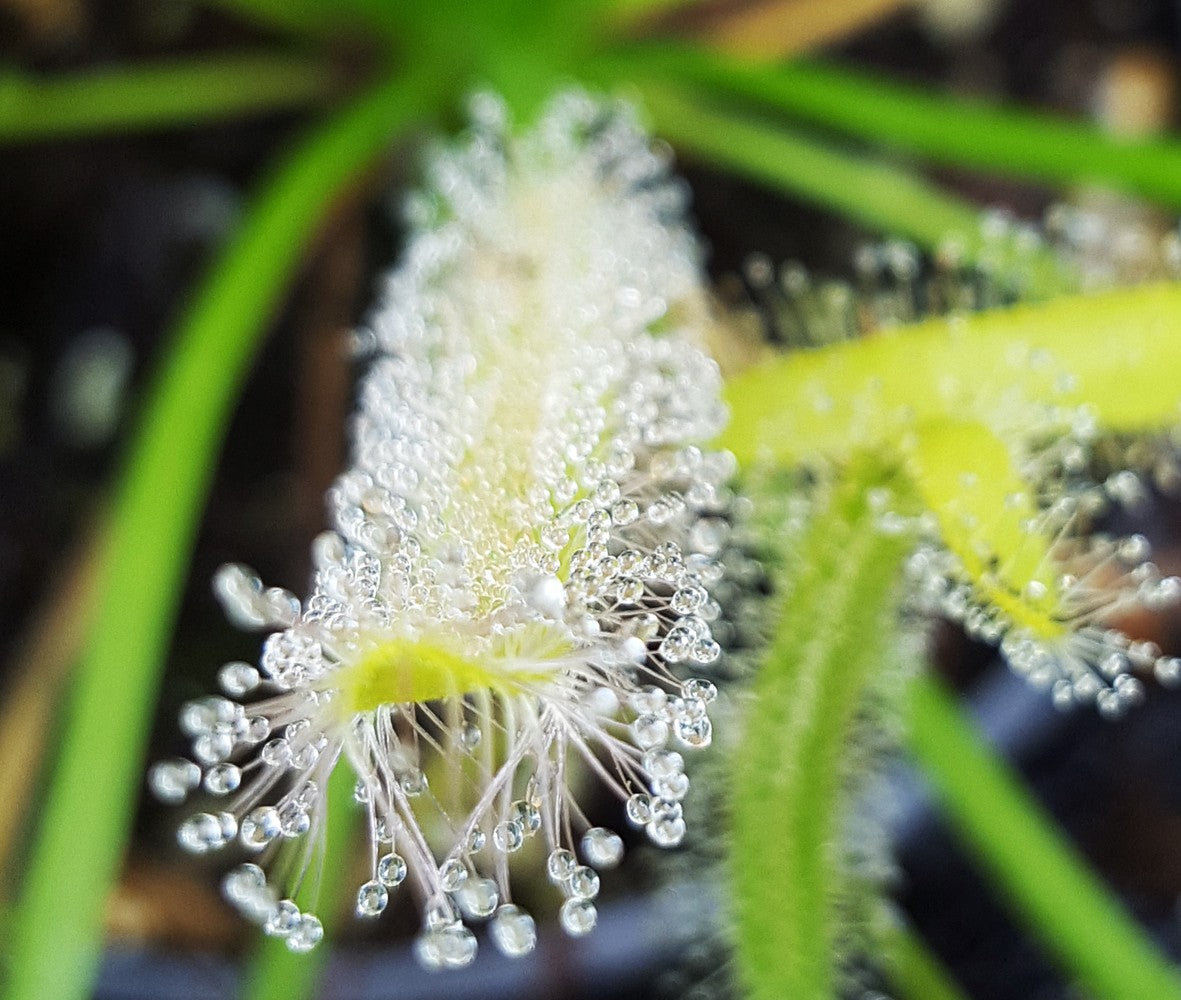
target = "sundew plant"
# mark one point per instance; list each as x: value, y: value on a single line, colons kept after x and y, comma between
x: 516, y: 597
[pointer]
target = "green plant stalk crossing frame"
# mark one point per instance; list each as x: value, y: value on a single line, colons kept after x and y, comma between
x: 169, y: 94
x: 883, y: 197
x: 57, y: 934
x: 948, y: 130
x: 1077, y: 919
x: 911, y: 969
x: 788, y: 777
x: 275, y: 972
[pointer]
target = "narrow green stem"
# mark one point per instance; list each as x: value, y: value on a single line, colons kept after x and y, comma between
x: 911, y: 969
x: 57, y: 929
x: 790, y: 782
x: 949, y: 130
x: 880, y: 196
x: 274, y: 972
x: 1045, y: 881
x: 173, y: 94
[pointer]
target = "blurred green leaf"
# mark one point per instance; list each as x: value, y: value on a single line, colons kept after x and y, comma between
x: 946, y: 129
x: 885, y: 198
x: 57, y: 932
x: 171, y: 94
x: 911, y: 969
x: 1047, y: 884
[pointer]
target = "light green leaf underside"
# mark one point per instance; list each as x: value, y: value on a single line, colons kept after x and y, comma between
x: 965, y: 475
x: 1116, y: 353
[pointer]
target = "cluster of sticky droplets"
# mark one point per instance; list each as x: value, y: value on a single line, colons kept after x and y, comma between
x: 895, y: 283
x: 520, y: 572
x: 1100, y: 578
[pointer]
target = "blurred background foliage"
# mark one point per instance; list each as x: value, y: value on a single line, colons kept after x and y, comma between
x: 197, y: 199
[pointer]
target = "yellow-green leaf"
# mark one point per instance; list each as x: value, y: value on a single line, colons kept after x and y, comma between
x: 1013, y: 369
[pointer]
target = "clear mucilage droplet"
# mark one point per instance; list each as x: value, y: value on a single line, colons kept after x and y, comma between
x: 512, y: 931
x: 372, y: 898
x: 391, y: 870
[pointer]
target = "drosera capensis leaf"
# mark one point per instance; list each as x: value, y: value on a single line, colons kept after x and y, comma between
x: 1115, y: 354
x: 789, y: 780
x: 965, y: 475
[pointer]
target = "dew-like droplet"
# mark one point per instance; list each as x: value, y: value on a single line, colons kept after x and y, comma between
x: 695, y: 733
x: 276, y: 753
x: 199, y: 833
x: 701, y: 689
x: 221, y: 779
x: 477, y: 898
x: 294, y: 819
x: 172, y: 780
x: 578, y: 917
x: 449, y: 946
x: 372, y: 898
x: 238, y: 678
x: 210, y: 748
x: 649, y: 731
x: 391, y: 870
x: 639, y: 809
x: 560, y: 865
x: 663, y: 763
x: 513, y: 931
x: 687, y: 600
x: 260, y: 827
x: 602, y: 848
x: 413, y: 782
x: 245, y: 880
x: 452, y: 874
x: 671, y: 789
x: 666, y: 832
x: 583, y: 883
x: 648, y: 701
x: 306, y: 936
x: 526, y: 815
x: 284, y: 918
x: 470, y: 736
x: 508, y: 836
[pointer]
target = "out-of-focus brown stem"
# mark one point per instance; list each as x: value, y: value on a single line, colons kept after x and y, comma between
x: 42, y: 662
x: 323, y: 380
x: 771, y: 29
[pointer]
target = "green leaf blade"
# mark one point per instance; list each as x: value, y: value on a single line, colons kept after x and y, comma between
x: 1045, y: 881
x: 158, y: 95
x: 57, y: 934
